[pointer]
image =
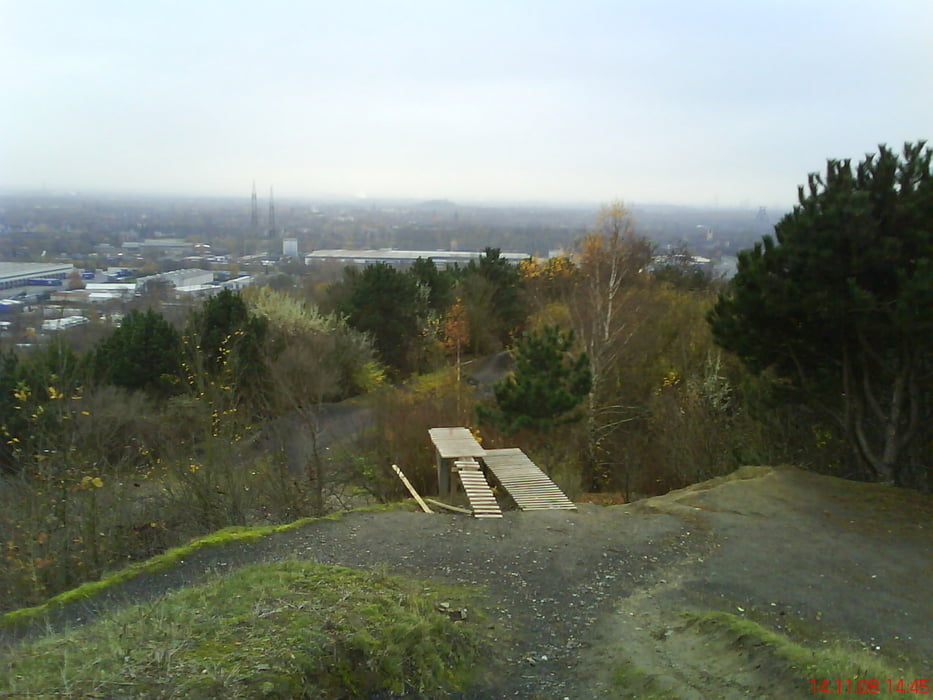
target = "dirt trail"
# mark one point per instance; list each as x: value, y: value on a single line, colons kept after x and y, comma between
x: 589, y: 604
x: 830, y: 560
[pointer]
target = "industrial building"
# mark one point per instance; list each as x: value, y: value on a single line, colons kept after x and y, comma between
x: 64, y: 323
x: 441, y: 258
x: 178, y: 278
x: 14, y: 274
x: 160, y: 247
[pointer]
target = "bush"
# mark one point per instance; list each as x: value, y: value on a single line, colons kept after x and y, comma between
x: 427, y: 402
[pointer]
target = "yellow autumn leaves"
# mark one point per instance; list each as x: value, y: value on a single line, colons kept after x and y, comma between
x: 89, y: 482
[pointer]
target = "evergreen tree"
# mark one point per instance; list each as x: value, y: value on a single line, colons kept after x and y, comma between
x: 386, y: 304
x: 437, y: 283
x: 29, y: 386
x: 144, y: 353
x: 548, y: 383
x: 498, y: 289
x: 839, y: 305
x: 216, y: 325
x: 229, y: 341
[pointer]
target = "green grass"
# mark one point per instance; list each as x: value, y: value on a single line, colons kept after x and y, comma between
x: 438, y: 380
x: 629, y: 678
x: 287, y: 630
x: 161, y: 562
x: 834, y: 660
x: 777, y: 659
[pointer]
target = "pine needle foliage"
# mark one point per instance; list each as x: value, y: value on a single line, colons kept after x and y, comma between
x: 546, y: 387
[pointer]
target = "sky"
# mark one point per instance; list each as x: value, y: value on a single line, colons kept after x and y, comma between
x: 710, y: 103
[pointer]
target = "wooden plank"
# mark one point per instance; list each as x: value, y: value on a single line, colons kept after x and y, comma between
x: 547, y: 504
x: 468, y: 463
x: 529, y: 487
x: 447, y: 506
x: 451, y: 443
x: 411, y: 489
x: 482, y: 500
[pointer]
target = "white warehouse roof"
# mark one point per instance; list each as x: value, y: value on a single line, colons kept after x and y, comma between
x: 398, y: 257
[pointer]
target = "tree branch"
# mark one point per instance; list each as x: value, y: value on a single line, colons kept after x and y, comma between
x: 862, y: 442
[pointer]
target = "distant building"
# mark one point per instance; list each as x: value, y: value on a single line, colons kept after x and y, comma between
x: 178, y: 278
x: 441, y: 258
x: 70, y: 295
x: 107, y: 250
x: 98, y: 293
x: 237, y: 283
x: 16, y: 274
x: 197, y: 290
x: 60, y: 324
x: 675, y: 259
x: 10, y: 305
x: 207, y: 289
x: 290, y: 247
x: 161, y: 247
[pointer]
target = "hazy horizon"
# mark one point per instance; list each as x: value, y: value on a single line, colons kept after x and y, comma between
x: 243, y: 199
x: 720, y: 104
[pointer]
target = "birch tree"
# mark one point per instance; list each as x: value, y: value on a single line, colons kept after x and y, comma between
x: 612, y: 261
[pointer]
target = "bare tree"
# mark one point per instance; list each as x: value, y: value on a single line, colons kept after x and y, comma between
x: 613, y: 261
x: 298, y: 388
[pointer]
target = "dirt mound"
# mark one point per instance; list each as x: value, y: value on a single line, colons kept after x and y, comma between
x: 745, y: 586
x: 801, y: 576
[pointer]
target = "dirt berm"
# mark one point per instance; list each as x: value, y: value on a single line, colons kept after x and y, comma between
x: 675, y: 596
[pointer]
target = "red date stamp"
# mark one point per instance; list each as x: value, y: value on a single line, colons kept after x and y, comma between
x: 870, y: 686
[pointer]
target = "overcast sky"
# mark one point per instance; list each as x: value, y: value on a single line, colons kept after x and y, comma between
x: 690, y: 102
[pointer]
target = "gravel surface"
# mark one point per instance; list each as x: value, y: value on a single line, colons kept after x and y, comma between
x: 574, y: 594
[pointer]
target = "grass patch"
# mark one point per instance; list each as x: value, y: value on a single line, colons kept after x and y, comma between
x: 432, y: 382
x: 834, y: 660
x: 637, y: 683
x: 163, y: 561
x: 287, y: 630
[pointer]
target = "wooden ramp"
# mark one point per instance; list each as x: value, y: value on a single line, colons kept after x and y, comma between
x: 530, y: 487
x: 482, y: 500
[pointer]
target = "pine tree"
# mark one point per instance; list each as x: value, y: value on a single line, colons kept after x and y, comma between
x: 547, y: 384
x: 144, y: 353
x: 386, y: 304
x: 839, y: 305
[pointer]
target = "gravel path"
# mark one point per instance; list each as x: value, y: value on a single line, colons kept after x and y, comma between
x: 575, y: 593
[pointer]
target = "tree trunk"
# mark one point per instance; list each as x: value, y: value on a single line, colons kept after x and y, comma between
x: 893, y: 424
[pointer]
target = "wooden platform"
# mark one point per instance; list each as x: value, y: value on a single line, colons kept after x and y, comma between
x: 451, y: 443
x: 530, y: 487
x: 482, y: 500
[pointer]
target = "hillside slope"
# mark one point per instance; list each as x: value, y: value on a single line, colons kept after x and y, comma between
x: 743, y: 586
